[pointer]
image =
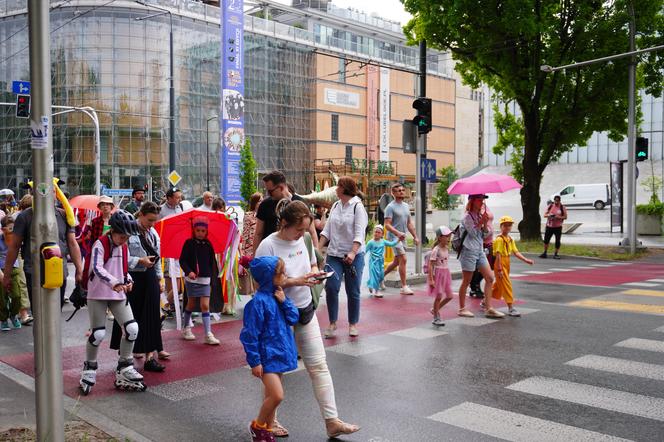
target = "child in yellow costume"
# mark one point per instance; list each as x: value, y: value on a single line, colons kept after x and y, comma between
x: 503, y: 247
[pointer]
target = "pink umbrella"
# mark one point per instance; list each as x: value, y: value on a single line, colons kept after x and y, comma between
x: 483, y: 183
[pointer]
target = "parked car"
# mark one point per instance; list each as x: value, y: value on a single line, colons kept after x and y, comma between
x: 584, y: 195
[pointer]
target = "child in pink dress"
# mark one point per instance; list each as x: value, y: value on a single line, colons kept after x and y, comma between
x: 440, y: 278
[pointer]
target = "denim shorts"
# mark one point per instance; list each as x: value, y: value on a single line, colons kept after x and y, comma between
x: 471, y: 260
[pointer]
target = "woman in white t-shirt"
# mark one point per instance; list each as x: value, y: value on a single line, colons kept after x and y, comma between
x: 288, y: 244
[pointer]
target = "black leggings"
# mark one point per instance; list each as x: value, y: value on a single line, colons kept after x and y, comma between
x: 551, y: 231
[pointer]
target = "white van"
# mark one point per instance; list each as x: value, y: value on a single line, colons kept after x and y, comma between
x: 580, y: 195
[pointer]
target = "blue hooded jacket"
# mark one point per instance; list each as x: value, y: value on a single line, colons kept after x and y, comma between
x: 267, y: 336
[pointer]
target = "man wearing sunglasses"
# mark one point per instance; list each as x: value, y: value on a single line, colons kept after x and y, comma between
x: 276, y: 188
x: 397, y: 223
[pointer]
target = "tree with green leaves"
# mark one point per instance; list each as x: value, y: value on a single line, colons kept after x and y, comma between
x: 248, y: 172
x: 441, y: 199
x: 503, y: 44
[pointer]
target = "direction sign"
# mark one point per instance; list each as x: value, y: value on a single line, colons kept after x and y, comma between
x: 428, y: 169
x: 174, y: 178
x: 115, y: 192
x: 21, y: 87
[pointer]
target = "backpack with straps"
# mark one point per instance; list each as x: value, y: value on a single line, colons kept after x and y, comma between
x: 108, y: 251
x: 458, y: 237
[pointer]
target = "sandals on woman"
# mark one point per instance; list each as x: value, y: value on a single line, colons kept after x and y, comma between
x: 163, y: 355
x: 337, y: 427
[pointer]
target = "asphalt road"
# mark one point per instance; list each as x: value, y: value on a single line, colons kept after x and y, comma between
x: 584, y: 362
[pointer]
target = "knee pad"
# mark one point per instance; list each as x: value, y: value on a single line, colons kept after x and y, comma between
x: 97, y: 336
x: 131, y: 330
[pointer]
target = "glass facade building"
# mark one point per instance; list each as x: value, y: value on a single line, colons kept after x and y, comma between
x: 114, y: 57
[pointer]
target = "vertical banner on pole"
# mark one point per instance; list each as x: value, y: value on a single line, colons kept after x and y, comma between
x: 617, y: 197
x: 232, y: 99
x: 373, y: 80
x: 384, y: 109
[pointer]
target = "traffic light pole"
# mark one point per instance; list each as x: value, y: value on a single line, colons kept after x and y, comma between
x: 46, y: 302
x: 631, y: 239
x: 420, y: 195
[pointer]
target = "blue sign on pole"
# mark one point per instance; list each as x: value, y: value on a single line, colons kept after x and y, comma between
x: 428, y: 169
x: 115, y: 192
x: 232, y: 97
x: 21, y: 87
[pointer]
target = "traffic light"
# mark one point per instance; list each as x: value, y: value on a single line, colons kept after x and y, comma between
x: 641, y: 149
x: 423, y: 118
x: 23, y: 106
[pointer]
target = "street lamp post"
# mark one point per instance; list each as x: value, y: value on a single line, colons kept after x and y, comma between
x: 171, y: 87
x: 207, y: 150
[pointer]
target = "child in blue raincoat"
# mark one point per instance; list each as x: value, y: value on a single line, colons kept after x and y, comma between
x: 376, y: 252
x: 268, y: 338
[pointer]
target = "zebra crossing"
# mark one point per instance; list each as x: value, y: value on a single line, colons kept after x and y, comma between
x: 637, y: 297
x: 513, y: 426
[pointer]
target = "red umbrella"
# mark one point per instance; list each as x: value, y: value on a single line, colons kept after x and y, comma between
x: 85, y: 202
x: 174, y: 230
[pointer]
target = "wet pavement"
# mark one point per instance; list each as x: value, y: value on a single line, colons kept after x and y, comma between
x: 585, y: 361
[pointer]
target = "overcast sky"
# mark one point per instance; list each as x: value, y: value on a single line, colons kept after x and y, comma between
x: 390, y: 9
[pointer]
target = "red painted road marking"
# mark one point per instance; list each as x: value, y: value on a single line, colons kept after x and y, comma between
x: 194, y: 359
x: 601, y: 276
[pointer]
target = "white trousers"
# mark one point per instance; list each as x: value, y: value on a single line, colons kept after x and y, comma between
x: 310, y: 347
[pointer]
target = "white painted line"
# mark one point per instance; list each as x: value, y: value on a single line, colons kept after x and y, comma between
x: 642, y: 344
x: 94, y: 418
x: 184, y: 389
x: 660, y: 329
x: 660, y: 281
x: 536, y: 272
x: 598, y: 397
x: 418, y: 333
x: 640, y: 284
x: 561, y: 270
x: 583, y: 268
x: 513, y: 426
x: 473, y: 322
x: 601, y: 265
x: 620, y: 366
x: 517, y: 275
x: 356, y: 348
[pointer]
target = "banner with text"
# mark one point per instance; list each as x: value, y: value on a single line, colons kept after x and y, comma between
x: 384, y: 102
x: 232, y: 98
x: 372, y: 111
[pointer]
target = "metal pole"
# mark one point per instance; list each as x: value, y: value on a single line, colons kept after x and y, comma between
x: 631, y: 139
x: 207, y: 154
x: 423, y: 152
x: 171, y: 100
x: 419, y: 213
x: 46, y: 302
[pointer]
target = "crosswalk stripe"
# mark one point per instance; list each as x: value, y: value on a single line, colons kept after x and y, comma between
x: 642, y: 344
x: 522, y: 310
x: 583, y: 267
x: 473, y: 322
x: 561, y: 270
x: 642, y: 292
x: 513, y: 426
x: 536, y: 272
x: 659, y: 329
x: 621, y: 306
x: 601, y: 265
x: 656, y: 280
x: 356, y: 348
x: 516, y: 275
x: 640, y: 284
x: 620, y: 366
x: 418, y: 333
x: 592, y: 396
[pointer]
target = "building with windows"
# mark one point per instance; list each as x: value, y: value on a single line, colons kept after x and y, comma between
x: 325, y: 89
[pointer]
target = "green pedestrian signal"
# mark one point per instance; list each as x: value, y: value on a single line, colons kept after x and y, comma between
x: 641, y: 149
x: 423, y: 118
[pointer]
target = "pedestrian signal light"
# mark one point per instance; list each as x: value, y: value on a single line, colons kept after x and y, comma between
x: 641, y: 149
x: 51, y: 266
x: 22, y: 106
x: 423, y: 118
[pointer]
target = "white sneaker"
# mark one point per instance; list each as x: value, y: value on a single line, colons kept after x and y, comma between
x: 438, y: 322
x: 187, y: 335
x: 405, y: 290
x: 371, y: 291
x: 378, y: 294
x: 211, y: 340
x: 513, y: 312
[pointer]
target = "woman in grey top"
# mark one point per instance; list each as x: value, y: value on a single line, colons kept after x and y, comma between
x: 145, y: 270
x: 474, y: 228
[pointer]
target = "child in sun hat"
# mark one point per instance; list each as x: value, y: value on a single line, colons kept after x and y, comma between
x: 376, y: 251
x: 440, y: 278
x: 503, y: 247
x: 197, y: 260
